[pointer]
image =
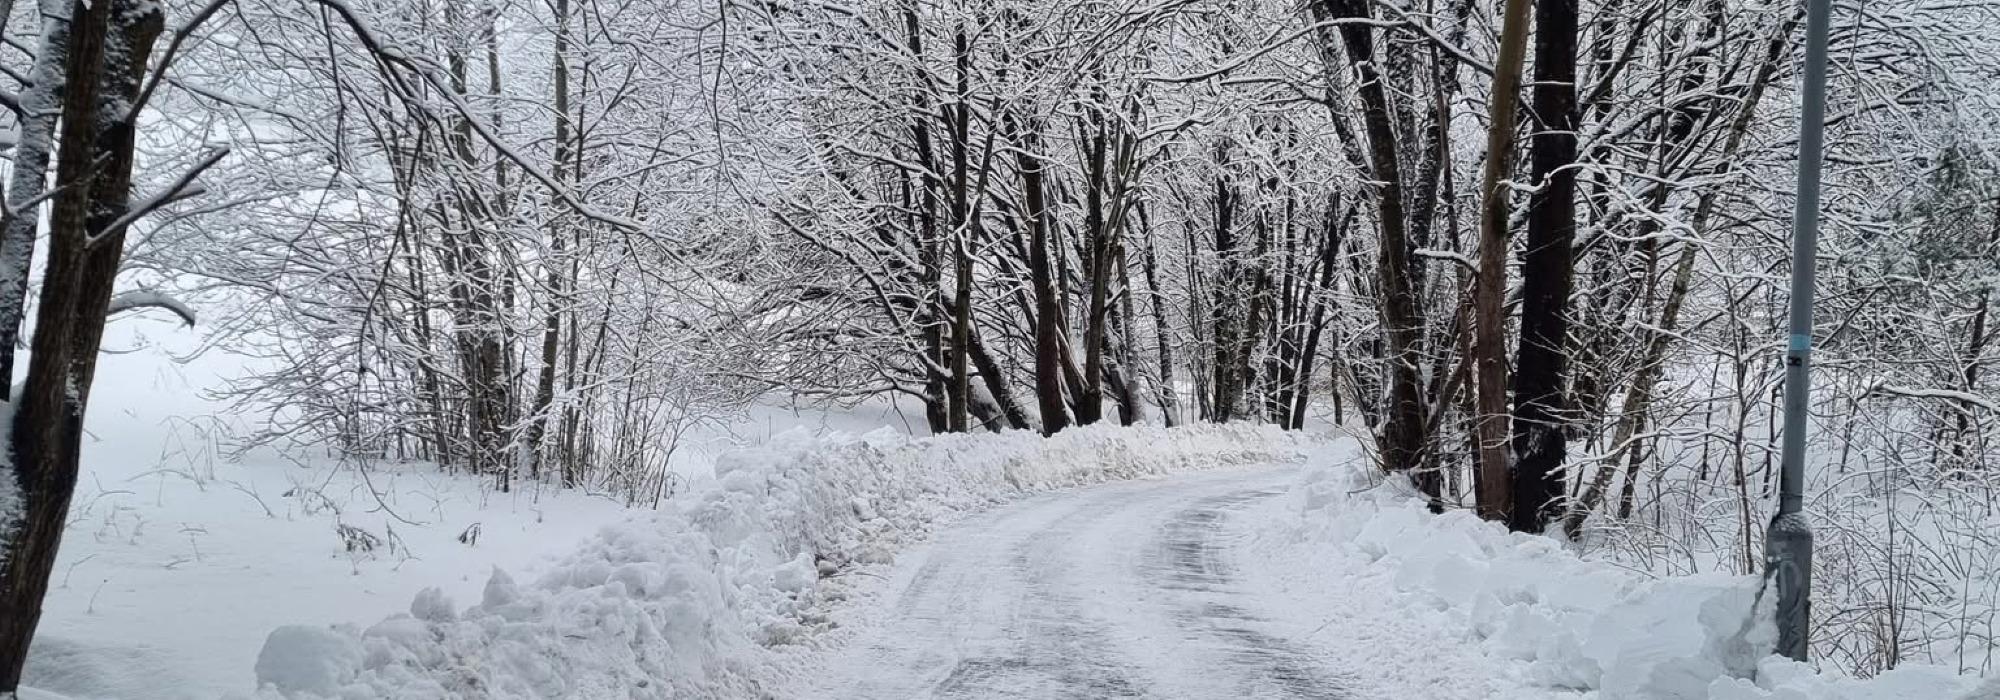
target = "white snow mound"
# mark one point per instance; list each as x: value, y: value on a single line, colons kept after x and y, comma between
x: 1573, y: 623
x: 674, y: 602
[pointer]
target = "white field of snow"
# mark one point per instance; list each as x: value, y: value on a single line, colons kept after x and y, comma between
x: 179, y: 561
x: 728, y: 592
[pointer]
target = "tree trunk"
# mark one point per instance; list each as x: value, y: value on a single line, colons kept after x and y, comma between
x: 1048, y: 314
x: 545, y: 380
x: 996, y: 384
x: 937, y: 410
x: 1489, y: 321
x: 1224, y: 310
x: 1329, y: 260
x: 476, y: 288
x: 1403, y: 438
x: 1975, y: 348
x: 1131, y: 406
x: 1540, y: 438
x: 1169, y: 395
x: 40, y: 104
x: 110, y: 42
x: 961, y: 235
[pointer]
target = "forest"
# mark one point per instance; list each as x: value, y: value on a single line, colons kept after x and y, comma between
x: 1532, y: 252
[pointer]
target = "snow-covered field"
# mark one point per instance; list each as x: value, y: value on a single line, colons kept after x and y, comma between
x: 181, y: 559
x: 830, y: 555
x: 683, y: 601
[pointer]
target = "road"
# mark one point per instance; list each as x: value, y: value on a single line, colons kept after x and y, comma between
x: 1123, y: 590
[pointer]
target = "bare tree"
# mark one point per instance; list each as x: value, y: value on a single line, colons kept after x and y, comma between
x: 105, y: 48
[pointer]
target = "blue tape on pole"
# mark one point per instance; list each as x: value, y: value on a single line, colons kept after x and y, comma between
x: 1801, y: 342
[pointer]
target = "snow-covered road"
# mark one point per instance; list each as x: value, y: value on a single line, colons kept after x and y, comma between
x: 1125, y: 590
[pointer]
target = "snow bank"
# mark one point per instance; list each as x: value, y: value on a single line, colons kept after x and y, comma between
x: 1570, y: 623
x: 672, y: 602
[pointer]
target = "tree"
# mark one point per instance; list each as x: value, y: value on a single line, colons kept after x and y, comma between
x: 105, y: 46
x: 1540, y: 437
x: 1404, y: 433
x: 1489, y: 292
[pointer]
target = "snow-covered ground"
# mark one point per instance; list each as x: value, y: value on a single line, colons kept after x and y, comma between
x: 180, y: 560
x: 1504, y: 615
x: 1124, y: 590
x: 688, y: 601
x: 809, y: 561
x: 891, y: 567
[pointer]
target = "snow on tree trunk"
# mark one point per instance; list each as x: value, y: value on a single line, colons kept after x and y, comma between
x: 110, y: 43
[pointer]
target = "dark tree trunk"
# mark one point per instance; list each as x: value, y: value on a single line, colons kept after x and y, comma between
x: 1540, y: 438
x: 1403, y: 438
x: 1975, y: 349
x: 1048, y: 313
x: 39, y: 103
x: 937, y: 409
x: 1169, y: 395
x: 1329, y: 259
x: 1489, y: 288
x: 996, y: 384
x: 109, y: 45
x: 1096, y: 264
x: 545, y: 380
x: 960, y: 113
x: 476, y: 289
x: 1226, y: 308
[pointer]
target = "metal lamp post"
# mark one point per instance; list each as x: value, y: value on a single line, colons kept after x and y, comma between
x: 1788, y: 542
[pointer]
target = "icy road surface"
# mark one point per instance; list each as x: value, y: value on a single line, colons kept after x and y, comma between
x: 1125, y: 590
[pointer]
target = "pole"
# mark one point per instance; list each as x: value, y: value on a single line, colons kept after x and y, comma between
x: 1788, y: 542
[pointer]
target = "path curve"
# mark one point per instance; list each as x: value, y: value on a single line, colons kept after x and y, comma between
x: 1124, y: 590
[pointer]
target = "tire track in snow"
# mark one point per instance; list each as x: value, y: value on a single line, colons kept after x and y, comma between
x: 1056, y: 647
x: 1188, y: 561
x: 1117, y: 591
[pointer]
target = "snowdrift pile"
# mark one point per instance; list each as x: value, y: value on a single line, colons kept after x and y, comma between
x: 672, y: 603
x: 1562, y: 621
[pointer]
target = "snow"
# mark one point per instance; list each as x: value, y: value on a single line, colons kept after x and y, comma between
x: 188, y: 574
x: 1125, y: 589
x: 680, y: 601
x: 179, y: 559
x: 309, y: 658
x: 1959, y: 396
x: 1783, y: 679
x: 1522, y: 615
